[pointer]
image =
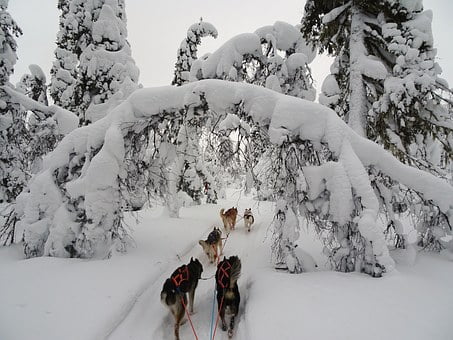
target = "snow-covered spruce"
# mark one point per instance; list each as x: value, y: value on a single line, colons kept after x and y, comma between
x: 63, y: 73
x: 13, y: 136
x: 385, y: 82
x: 94, y: 69
x: 75, y: 209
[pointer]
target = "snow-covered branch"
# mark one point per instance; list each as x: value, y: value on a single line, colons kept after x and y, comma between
x: 66, y: 120
x: 101, y: 145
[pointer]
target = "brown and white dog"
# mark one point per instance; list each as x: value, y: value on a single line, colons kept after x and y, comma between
x: 212, y: 246
x: 248, y: 219
x: 174, y: 292
x: 229, y: 218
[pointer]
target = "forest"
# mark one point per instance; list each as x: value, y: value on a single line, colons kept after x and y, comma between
x: 361, y: 164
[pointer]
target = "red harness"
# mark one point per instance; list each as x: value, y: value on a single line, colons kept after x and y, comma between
x: 181, y: 276
x: 224, y: 273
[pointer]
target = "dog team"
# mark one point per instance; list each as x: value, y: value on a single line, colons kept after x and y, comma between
x: 185, y: 278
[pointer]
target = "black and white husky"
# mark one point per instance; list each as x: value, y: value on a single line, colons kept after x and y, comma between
x: 228, y: 298
x: 248, y: 219
x: 174, y: 292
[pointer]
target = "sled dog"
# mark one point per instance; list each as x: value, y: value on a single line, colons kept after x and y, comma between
x: 248, y: 219
x: 227, y: 274
x: 174, y: 292
x: 212, y: 246
x: 229, y: 218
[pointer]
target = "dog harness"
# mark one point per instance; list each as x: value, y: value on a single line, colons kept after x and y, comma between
x: 248, y: 215
x: 182, y: 274
x: 224, y: 273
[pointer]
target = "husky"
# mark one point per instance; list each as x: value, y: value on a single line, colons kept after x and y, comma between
x: 248, y: 219
x: 174, y: 292
x: 213, y: 244
x: 229, y: 218
x: 228, y: 298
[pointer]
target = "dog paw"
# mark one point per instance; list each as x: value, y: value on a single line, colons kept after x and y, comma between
x: 230, y: 333
x: 224, y: 328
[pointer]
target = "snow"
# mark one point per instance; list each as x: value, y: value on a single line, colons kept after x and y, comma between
x: 286, y: 37
x: 37, y: 72
x: 333, y: 14
x: 203, y: 29
x: 225, y: 57
x: 52, y: 298
x: 295, y: 61
x: 66, y: 120
x: 411, y: 5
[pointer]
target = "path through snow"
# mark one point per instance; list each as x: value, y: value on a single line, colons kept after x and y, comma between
x: 149, y: 319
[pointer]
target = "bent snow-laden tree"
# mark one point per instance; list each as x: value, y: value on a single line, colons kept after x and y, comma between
x: 275, y: 56
x: 189, y: 172
x: 75, y: 208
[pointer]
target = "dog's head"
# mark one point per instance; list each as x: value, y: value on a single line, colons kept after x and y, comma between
x: 214, y: 235
x: 248, y: 211
x: 195, y: 267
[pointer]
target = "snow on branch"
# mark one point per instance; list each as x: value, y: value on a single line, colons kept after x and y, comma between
x: 66, y: 120
x: 101, y: 144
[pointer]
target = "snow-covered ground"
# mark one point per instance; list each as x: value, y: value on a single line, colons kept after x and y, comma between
x: 118, y: 299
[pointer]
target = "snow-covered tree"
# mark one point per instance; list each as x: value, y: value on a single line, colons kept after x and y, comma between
x: 190, y: 173
x: 34, y: 84
x: 42, y: 129
x: 107, y: 72
x: 94, y: 69
x: 187, y: 51
x: 63, y: 73
x: 74, y: 207
x: 13, y: 163
x: 385, y: 83
x: 385, y: 80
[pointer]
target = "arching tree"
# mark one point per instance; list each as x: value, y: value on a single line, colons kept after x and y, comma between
x: 77, y: 195
x: 191, y: 175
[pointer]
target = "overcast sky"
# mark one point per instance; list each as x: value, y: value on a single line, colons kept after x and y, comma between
x: 156, y: 29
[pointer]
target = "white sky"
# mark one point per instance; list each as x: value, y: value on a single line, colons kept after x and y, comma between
x: 157, y: 28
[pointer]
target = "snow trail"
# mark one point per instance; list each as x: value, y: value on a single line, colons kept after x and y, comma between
x: 147, y: 318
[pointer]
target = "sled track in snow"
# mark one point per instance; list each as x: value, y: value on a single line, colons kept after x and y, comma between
x: 144, y: 317
x: 146, y: 286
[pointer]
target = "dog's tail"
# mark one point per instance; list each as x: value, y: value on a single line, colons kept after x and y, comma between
x: 168, y: 294
x: 235, y: 270
x: 221, y: 212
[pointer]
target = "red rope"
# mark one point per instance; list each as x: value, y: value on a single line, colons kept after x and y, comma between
x: 188, y: 316
x: 218, y: 316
